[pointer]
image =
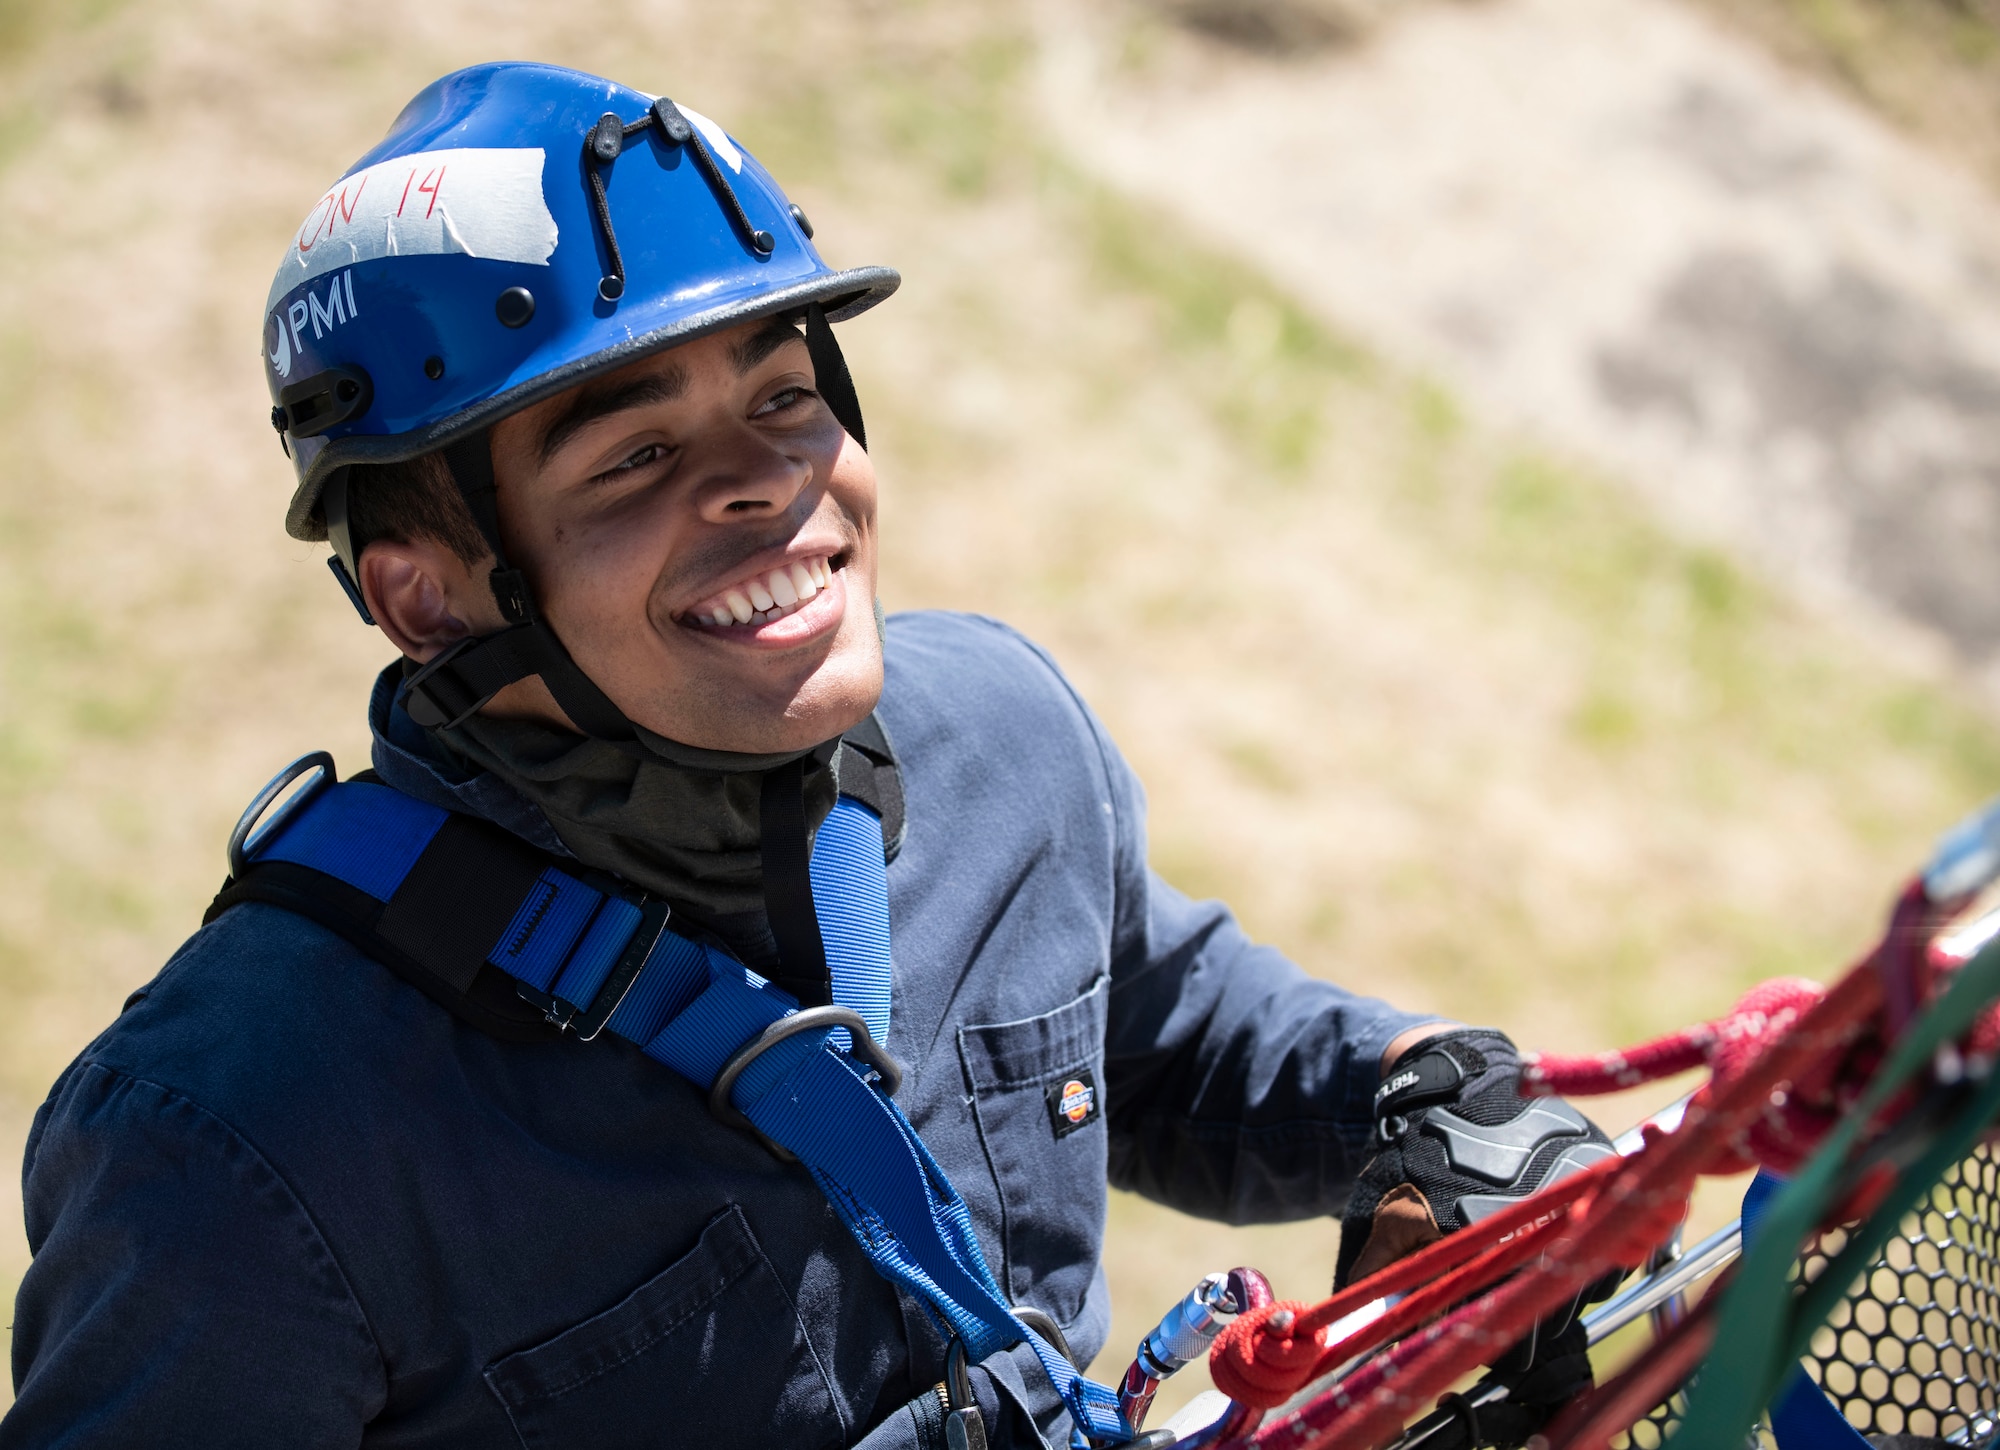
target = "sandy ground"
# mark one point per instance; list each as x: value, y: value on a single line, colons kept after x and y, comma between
x: 1444, y: 713
x: 1622, y: 227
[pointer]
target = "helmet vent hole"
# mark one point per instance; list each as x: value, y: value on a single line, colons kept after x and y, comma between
x: 433, y: 368
x: 515, y: 307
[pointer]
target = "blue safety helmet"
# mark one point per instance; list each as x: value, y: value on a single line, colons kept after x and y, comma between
x: 522, y: 228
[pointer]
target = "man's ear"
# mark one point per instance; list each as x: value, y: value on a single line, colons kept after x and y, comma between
x: 424, y: 596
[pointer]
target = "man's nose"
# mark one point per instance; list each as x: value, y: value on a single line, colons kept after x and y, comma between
x: 751, y: 478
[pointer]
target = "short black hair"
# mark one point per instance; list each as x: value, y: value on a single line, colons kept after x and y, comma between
x: 412, y: 500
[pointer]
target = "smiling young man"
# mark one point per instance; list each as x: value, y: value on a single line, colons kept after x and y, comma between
x: 703, y: 527
x: 556, y: 1082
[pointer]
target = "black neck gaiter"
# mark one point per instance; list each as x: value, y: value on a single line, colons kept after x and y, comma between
x: 679, y: 822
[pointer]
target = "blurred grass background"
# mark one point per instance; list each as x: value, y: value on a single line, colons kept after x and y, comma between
x: 1441, y: 712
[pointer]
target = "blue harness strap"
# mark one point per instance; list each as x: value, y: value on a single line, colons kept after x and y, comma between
x: 692, y: 1007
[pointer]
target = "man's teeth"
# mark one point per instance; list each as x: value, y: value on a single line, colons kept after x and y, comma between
x: 766, y: 597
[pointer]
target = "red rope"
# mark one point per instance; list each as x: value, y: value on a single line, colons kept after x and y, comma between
x: 1784, y: 1064
x: 1907, y: 962
x: 1781, y: 1135
x: 1255, y: 1362
x: 1615, y: 1216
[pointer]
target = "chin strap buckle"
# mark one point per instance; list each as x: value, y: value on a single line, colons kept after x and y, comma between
x: 511, y: 593
x: 471, y: 671
x: 441, y: 694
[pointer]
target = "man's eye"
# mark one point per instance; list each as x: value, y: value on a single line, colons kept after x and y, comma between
x: 651, y: 453
x: 783, y: 399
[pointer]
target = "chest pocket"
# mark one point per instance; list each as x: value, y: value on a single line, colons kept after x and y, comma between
x: 1038, y: 1096
x: 708, y: 1352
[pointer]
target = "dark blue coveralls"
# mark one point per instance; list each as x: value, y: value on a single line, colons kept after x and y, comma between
x: 287, y: 1199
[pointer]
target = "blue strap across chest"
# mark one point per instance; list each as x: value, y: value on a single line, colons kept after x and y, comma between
x: 692, y: 1006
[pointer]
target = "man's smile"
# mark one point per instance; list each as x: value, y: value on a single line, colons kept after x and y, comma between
x: 781, y: 606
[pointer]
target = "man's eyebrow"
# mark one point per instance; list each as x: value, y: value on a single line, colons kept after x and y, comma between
x: 601, y: 401
x: 774, y: 334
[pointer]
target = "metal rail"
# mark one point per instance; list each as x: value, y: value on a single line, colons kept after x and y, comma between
x: 1648, y: 1294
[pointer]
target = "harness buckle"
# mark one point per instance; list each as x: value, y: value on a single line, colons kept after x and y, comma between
x: 810, y: 1019
x: 587, y: 1022
x: 556, y: 1012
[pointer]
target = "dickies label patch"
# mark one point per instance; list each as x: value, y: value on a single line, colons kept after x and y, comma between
x: 1073, y: 1103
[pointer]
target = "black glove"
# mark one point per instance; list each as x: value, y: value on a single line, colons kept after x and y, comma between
x: 1456, y: 1141
x: 1513, y: 1402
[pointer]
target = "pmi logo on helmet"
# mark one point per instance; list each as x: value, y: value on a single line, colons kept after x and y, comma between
x: 1073, y: 1103
x: 289, y: 325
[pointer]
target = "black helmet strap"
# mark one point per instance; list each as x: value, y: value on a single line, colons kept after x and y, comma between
x: 830, y: 375
x: 471, y: 672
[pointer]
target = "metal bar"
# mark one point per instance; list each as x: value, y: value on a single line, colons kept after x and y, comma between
x: 1648, y: 1294
x: 1665, y: 1257
x: 1982, y: 1432
x: 1666, y: 1120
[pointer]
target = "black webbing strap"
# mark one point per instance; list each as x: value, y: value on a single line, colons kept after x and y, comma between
x: 471, y: 672
x: 788, y: 901
x: 459, y: 897
x: 866, y: 769
x: 438, y: 929
x: 830, y: 375
x: 441, y: 925
x: 470, y: 461
x: 457, y: 682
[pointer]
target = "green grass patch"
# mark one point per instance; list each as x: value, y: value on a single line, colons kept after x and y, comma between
x: 957, y: 113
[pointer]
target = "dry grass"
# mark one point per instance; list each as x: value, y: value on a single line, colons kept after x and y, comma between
x: 1448, y: 719
x: 1933, y: 66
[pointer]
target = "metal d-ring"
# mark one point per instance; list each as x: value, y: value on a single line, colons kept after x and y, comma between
x: 239, y: 839
x: 1045, y: 1325
x: 811, y: 1019
x: 957, y: 1378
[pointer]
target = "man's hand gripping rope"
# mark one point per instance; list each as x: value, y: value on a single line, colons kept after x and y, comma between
x: 1785, y: 1063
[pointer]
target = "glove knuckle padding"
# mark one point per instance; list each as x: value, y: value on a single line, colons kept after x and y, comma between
x: 1451, y: 1122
